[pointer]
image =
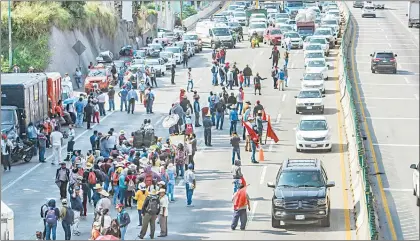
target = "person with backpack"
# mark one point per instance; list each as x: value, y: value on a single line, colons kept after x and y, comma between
x: 43, y: 213
x: 130, y: 179
x: 214, y: 71
x: 62, y: 178
x: 150, y: 211
x: 122, y: 185
x: 67, y: 219
x: 115, y: 177
x: 220, y: 113
x: 123, y: 219
x: 51, y: 218
x: 77, y: 207
x: 140, y: 196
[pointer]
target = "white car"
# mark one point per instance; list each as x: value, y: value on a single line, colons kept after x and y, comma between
x: 416, y: 186
x: 326, y: 33
x: 333, y: 23
x: 313, y: 81
x: 170, y: 57
x: 285, y: 28
x: 157, y: 64
x: 240, y: 17
x: 318, y: 66
x: 292, y: 23
x: 368, y: 11
x: 321, y: 41
x: 194, y: 40
x: 258, y: 20
x: 313, y: 133
x: 318, y: 55
x: 177, y: 51
x: 281, y: 21
x: 376, y: 5
x: 295, y: 39
x: 310, y: 101
x: 312, y: 48
x: 258, y: 27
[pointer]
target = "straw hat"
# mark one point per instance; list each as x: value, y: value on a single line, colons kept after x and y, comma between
x: 142, y: 186
x: 89, y: 165
x: 97, y: 186
x: 162, y: 190
x: 104, y: 193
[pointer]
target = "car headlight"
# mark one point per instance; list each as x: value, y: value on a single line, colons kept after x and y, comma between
x: 322, y: 201
x: 299, y: 137
x: 279, y: 202
x: 300, y: 104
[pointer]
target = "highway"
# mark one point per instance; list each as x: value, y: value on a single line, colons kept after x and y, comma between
x: 390, y: 110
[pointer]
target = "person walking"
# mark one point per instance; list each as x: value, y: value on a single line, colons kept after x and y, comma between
x: 220, y: 113
x: 79, y: 106
x: 122, y: 185
x: 274, y: 75
x: 32, y: 133
x: 111, y: 98
x: 190, y: 80
x: 222, y: 74
x: 171, y: 181
x: 286, y: 59
x: 233, y: 117
x: 240, y: 205
x: 173, y: 74
x: 140, y: 197
x: 123, y: 98
x: 207, y: 123
x: 153, y: 77
x: 254, y: 142
x: 89, y: 111
x: 62, y: 178
x: 190, y: 185
x: 240, y: 100
x: 259, y: 123
x: 229, y: 78
x: 241, y: 79
x: 6, y: 148
x: 150, y: 98
x: 185, y: 58
x: 197, y: 109
x: 281, y: 76
x: 78, y: 77
x: 257, y: 81
x: 235, y: 75
x: 56, y: 139
x: 237, y: 175
x: 77, y: 206
x: 247, y: 75
x: 214, y: 71
x: 132, y: 98
x: 101, y: 103
x: 163, y: 214
x: 275, y: 55
x: 234, y: 141
x: 42, y: 144
x: 123, y: 219
x: 150, y: 211
x: 51, y: 218
x: 67, y: 219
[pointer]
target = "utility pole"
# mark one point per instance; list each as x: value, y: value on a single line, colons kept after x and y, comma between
x: 10, y: 34
x: 180, y: 14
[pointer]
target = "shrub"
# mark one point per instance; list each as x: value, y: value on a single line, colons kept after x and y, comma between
x: 188, y: 11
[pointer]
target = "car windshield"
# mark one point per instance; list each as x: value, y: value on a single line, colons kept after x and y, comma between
x: 240, y: 15
x: 292, y: 35
x: 281, y: 20
x: 173, y: 50
x: 312, y: 76
x: 300, y: 179
x: 258, y: 16
x: 330, y: 22
x: 314, y: 47
x: 155, y: 46
x: 313, y: 125
x: 318, y: 41
x: 7, y: 117
x: 97, y: 73
x: 221, y: 32
x: 166, y: 54
x: 257, y: 25
x: 316, y: 55
x: 291, y: 22
x: 309, y: 94
x: 282, y: 15
x: 322, y: 32
x: 384, y: 55
x: 232, y: 7
x: 190, y: 37
x: 286, y: 28
x: 234, y: 24
x: 316, y: 63
x: 275, y: 31
x: 305, y: 30
x: 151, y: 62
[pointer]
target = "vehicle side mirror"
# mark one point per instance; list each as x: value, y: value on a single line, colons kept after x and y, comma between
x: 271, y: 185
x: 395, y: 55
x: 371, y: 55
x: 330, y: 184
x: 295, y: 96
x: 413, y: 166
x: 323, y: 95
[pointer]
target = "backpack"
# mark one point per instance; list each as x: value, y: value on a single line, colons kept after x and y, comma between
x: 219, y: 107
x: 44, y: 209
x: 115, y: 179
x: 153, y: 206
x: 92, y: 178
x: 50, y: 217
x: 69, y: 218
x: 131, y: 185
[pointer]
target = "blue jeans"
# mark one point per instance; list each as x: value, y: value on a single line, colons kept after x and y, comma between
x: 116, y: 193
x: 190, y: 82
x: 214, y: 78
x: 213, y: 119
x: 67, y: 230
x: 233, y: 126
x: 236, y: 151
x: 219, y: 119
x: 51, y: 229
x: 230, y: 84
x: 123, y: 102
x: 106, y: 184
x: 286, y: 62
x: 122, y: 195
x: 247, y: 81
x: 111, y: 104
x: 235, y: 185
x: 286, y: 80
x: 222, y: 59
x: 222, y: 79
x: 120, y: 80
x: 79, y: 119
x: 189, y: 193
x: 149, y: 106
x: 170, y: 193
x: 240, y: 107
x: 41, y: 156
x: 178, y: 169
x: 253, y: 149
x: 239, y: 214
x: 123, y: 231
x: 140, y: 217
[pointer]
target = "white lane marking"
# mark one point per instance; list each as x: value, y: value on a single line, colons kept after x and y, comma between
x: 159, y: 121
x: 368, y: 50
x: 391, y: 118
x: 264, y: 171
x: 254, y: 207
x: 284, y: 97
x: 181, y: 183
x: 386, y: 98
x: 10, y: 184
x: 406, y: 80
x: 396, y: 145
x: 398, y: 189
x: 292, y: 65
x: 278, y: 118
x: 403, y: 24
x: 389, y: 45
x: 416, y: 96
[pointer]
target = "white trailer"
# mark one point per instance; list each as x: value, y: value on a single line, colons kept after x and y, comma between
x: 413, y: 13
x: 7, y: 223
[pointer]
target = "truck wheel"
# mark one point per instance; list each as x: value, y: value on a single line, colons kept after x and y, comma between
x: 275, y: 223
x: 414, y: 192
x: 325, y: 222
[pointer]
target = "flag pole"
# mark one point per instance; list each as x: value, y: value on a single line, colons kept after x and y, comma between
x: 266, y: 133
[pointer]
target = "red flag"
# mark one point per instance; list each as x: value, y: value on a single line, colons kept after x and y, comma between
x: 251, y: 132
x: 271, y: 133
x: 264, y: 116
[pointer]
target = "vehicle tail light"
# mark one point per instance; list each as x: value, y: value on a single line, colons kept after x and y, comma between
x: 392, y: 60
x: 376, y: 60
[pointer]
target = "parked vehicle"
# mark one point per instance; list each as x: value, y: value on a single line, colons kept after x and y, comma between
x: 7, y: 223
x: 413, y: 13
x: 98, y: 77
x: 273, y: 36
x: 416, y: 187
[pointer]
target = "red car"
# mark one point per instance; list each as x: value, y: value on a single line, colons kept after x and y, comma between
x: 273, y: 36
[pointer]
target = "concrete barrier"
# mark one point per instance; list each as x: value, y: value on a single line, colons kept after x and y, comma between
x: 204, y: 13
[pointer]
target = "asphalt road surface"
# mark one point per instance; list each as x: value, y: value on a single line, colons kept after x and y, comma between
x: 391, y: 109
x: 28, y: 186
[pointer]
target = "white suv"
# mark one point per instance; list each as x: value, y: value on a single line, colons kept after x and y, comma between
x: 368, y: 11
x: 416, y: 191
x: 310, y: 101
x: 313, y: 133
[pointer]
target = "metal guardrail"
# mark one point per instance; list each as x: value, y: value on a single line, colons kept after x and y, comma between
x: 368, y: 200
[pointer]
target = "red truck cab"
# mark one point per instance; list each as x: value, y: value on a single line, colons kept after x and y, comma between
x: 53, y: 91
x: 273, y: 36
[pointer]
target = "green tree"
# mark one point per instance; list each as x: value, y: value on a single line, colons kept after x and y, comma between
x: 77, y: 9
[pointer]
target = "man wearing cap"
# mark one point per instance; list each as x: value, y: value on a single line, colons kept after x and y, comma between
x: 123, y: 219
x: 233, y: 116
x: 197, y: 109
x: 66, y: 221
x: 77, y: 206
x: 247, y: 75
x: 62, y: 178
x: 190, y: 184
x: 229, y: 78
x: 163, y: 214
x: 151, y: 208
x: 207, y: 123
x: 123, y: 98
x: 240, y: 205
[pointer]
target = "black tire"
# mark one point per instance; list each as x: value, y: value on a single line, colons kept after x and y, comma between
x: 394, y: 71
x: 28, y: 157
x: 297, y: 112
x: 325, y: 222
x: 418, y: 202
x: 414, y: 192
x: 275, y: 223
x: 373, y: 71
x: 297, y: 149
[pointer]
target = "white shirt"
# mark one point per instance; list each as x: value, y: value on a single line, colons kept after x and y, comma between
x: 164, y: 203
x: 56, y: 137
x: 189, y: 76
x: 101, y: 98
x: 72, y: 133
x: 111, y: 141
x: 4, y: 143
x: 67, y: 81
